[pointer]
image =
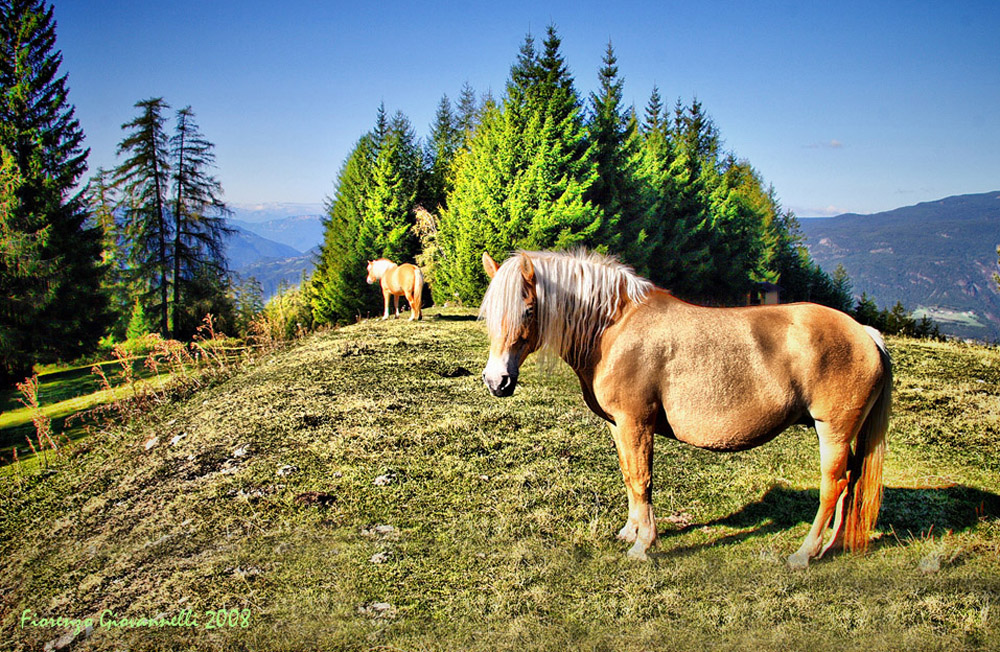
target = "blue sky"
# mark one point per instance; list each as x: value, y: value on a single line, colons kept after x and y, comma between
x: 843, y: 107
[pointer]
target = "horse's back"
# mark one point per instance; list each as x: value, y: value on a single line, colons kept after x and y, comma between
x: 402, y: 278
x: 733, y: 378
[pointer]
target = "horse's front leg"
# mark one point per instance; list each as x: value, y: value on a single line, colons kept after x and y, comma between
x: 385, y: 298
x: 631, y: 527
x: 634, y: 442
x: 395, y: 303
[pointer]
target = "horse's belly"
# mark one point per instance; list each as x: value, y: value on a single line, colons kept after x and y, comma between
x: 732, y: 432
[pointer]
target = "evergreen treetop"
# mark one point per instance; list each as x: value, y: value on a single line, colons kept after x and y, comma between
x: 50, y: 275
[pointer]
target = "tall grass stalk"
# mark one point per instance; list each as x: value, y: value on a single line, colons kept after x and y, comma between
x: 41, y: 421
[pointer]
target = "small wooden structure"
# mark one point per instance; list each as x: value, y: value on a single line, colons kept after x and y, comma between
x: 764, y: 294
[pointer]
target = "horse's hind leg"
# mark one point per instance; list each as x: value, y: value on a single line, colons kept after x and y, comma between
x: 414, y: 310
x: 833, y: 456
x: 634, y: 442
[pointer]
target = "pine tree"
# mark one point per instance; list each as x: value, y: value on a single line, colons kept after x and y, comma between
x: 199, y: 226
x: 145, y: 180
x: 50, y: 274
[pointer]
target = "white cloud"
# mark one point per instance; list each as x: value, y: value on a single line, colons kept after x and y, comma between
x: 830, y: 144
x: 812, y: 211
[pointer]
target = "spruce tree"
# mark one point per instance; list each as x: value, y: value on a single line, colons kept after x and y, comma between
x: 104, y: 200
x: 370, y: 216
x: 51, y: 304
x: 679, y: 211
x: 843, y: 290
x: 248, y: 301
x: 617, y: 190
x: 467, y: 112
x: 866, y: 311
x: 199, y: 228
x: 523, y: 179
x: 387, y: 228
x: 445, y: 139
x: 996, y: 277
x: 337, y: 287
x: 654, y: 118
x: 145, y: 180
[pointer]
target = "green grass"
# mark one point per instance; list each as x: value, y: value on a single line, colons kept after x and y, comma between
x: 503, y: 515
x: 64, y: 393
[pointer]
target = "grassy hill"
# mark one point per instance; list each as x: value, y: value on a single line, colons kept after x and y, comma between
x: 936, y: 257
x: 362, y: 491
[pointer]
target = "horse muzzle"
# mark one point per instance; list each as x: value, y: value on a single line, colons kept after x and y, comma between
x: 500, y: 385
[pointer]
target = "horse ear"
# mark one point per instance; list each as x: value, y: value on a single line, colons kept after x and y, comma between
x: 489, y: 265
x: 527, y: 270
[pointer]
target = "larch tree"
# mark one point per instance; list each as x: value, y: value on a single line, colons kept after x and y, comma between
x: 144, y: 177
x: 199, y: 228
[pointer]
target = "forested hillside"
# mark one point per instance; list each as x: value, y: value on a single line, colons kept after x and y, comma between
x: 936, y: 257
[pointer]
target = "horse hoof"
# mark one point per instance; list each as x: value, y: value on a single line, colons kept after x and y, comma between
x: 798, y: 561
x: 627, y: 534
x: 638, y: 553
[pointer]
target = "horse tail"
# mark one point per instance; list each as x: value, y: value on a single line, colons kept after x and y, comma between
x: 865, y: 497
x: 418, y: 292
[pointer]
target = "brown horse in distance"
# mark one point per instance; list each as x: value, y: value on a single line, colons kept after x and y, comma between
x: 396, y: 281
x: 724, y: 379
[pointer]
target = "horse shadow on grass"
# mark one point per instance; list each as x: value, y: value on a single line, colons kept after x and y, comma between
x: 454, y: 317
x: 909, y: 514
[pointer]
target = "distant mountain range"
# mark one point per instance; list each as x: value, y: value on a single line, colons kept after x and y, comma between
x: 300, y: 232
x: 272, y: 246
x: 273, y: 273
x: 244, y: 248
x: 937, y: 257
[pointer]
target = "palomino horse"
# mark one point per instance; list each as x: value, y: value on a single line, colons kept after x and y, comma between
x: 398, y: 280
x: 725, y: 379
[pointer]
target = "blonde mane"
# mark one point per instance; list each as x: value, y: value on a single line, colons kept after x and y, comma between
x: 380, y: 267
x: 579, y: 295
